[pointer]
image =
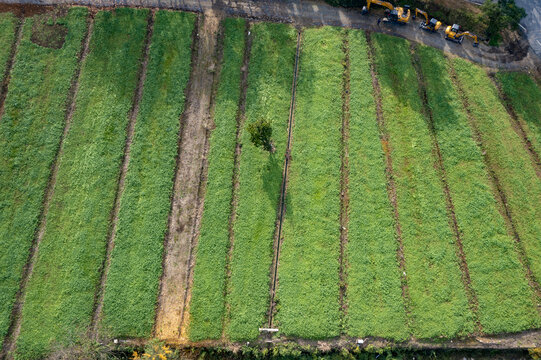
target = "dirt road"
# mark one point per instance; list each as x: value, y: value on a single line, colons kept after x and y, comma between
x: 317, y: 12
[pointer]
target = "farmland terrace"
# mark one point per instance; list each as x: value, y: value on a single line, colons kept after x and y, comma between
x: 399, y: 204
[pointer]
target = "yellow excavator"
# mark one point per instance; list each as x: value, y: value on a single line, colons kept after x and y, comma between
x: 453, y: 33
x: 432, y: 25
x: 400, y: 15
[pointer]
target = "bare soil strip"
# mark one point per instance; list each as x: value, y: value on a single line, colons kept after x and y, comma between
x: 472, y: 296
x: 344, y: 181
x: 15, y: 318
x: 391, y: 187
x: 282, y: 203
x: 517, y: 125
x: 134, y: 111
x: 241, y: 117
x: 499, y: 193
x: 187, y: 205
x: 6, y: 76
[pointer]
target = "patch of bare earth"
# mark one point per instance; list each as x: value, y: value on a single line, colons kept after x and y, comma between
x: 172, y: 317
x: 389, y: 173
x: 138, y: 94
x: 344, y: 181
x: 241, y: 114
x: 472, y: 296
x: 499, y: 194
x: 16, y: 319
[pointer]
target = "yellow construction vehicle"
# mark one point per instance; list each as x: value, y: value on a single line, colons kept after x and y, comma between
x: 453, y: 33
x: 432, y: 25
x: 400, y: 15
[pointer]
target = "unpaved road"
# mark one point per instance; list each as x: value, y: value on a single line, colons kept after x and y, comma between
x: 316, y: 12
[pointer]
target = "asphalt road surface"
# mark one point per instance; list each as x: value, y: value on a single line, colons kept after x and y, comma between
x: 532, y: 22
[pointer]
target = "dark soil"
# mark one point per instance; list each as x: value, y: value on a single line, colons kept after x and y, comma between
x: 48, y: 35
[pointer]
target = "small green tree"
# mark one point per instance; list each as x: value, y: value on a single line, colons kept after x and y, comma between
x: 501, y: 15
x: 261, y: 134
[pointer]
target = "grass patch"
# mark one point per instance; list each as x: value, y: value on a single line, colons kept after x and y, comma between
x: 505, y: 299
x: 136, y: 260
x: 439, y: 304
x: 509, y: 160
x: 260, y: 176
x: 60, y: 297
x: 30, y: 132
x: 374, y: 296
x: 207, y: 305
x: 308, y: 289
x: 8, y: 22
x: 525, y: 97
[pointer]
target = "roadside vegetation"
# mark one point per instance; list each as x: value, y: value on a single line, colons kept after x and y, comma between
x: 30, y: 132
x: 260, y: 176
x: 524, y: 95
x: 207, y: 307
x: 508, y: 158
x: 60, y: 293
x: 8, y: 22
x: 308, y: 282
x: 374, y: 297
x: 439, y: 305
x: 503, y: 293
x: 136, y: 260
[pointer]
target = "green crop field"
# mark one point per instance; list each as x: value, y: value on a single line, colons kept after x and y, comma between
x: 412, y: 205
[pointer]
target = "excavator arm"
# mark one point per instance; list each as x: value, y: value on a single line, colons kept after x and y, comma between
x: 419, y: 11
x: 387, y: 4
x: 469, y: 34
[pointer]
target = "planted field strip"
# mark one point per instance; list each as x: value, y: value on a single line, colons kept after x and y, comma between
x: 132, y: 283
x: 186, y: 208
x: 308, y: 290
x: 522, y: 97
x: 515, y: 176
x: 60, y: 296
x: 439, y: 304
x: 504, y: 298
x: 10, y: 38
x: 375, y: 303
x: 30, y: 133
x: 260, y: 176
x: 207, y: 307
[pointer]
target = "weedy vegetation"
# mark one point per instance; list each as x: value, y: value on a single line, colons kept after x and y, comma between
x: 8, y: 22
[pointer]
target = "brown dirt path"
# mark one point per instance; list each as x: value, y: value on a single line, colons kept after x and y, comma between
x: 427, y: 110
x: 16, y: 319
x: 186, y: 207
x: 138, y: 94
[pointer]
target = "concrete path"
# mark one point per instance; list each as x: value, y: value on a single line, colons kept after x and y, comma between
x: 317, y: 12
x: 532, y: 22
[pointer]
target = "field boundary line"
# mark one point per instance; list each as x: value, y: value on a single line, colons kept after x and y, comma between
x: 282, y: 202
x: 499, y: 193
x: 389, y: 173
x: 344, y: 181
x: 453, y: 222
x: 241, y: 118
x: 6, y: 76
x: 517, y: 125
x: 176, y: 184
x: 130, y: 131
x: 16, y: 314
x: 203, y: 172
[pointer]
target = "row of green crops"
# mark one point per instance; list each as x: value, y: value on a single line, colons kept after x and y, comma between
x: 30, y: 132
x: 8, y: 22
x: 374, y: 297
x: 260, y: 176
x: 503, y: 293
x: 525, y: 97
x: 60, y: 293
x: 308, y: 289
x: 133, y: 279
x: 508, y: 158
x: 207, y: 306
x: 439, y: 303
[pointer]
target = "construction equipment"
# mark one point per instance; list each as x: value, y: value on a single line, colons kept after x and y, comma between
x: 399, y: 15
x: 453, y: 33
x: 432, y: 25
